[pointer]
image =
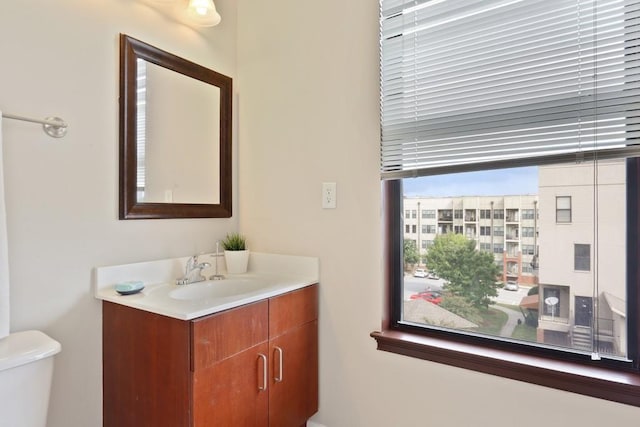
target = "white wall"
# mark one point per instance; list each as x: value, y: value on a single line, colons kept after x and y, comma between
x: 61, y: 58
x: 308, y: 83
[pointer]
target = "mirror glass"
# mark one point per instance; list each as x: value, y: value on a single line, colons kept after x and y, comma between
x: 175, y: 136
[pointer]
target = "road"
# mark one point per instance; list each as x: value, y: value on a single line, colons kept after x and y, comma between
x: 414, y: 285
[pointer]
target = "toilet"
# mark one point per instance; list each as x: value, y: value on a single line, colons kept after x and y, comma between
x: 26, y: 368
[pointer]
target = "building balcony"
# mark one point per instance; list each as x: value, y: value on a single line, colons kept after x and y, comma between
x: 551, y: 323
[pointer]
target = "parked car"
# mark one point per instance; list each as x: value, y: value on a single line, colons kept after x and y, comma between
x: 420, y: 272
x: 432, y: 275
x: 430, y: 296
x: 511, y: 285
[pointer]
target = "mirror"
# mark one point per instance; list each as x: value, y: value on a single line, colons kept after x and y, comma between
x: 175, y: 136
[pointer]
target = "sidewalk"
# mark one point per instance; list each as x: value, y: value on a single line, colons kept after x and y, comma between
x: 514, y: 316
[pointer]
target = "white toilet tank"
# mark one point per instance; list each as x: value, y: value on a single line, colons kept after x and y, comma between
x: 26, y: 368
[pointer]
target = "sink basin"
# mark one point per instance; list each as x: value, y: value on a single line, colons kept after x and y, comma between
x: 216, y: 289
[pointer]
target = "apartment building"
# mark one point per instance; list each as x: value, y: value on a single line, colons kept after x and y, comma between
x: 581, y: 306
x: 506, y: 226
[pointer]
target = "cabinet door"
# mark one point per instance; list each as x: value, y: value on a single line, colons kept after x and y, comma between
x: 146, y: 377
x: 233, y: 391
x: 293, y: 393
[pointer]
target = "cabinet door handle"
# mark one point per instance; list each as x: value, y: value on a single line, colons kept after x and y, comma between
x: 263, y: 387
x: 278, y: 378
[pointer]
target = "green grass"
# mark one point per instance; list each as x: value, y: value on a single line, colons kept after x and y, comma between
x: 492, y: 321
x: 524, y: 333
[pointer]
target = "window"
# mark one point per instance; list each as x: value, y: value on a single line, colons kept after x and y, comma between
x: 485, y: 213
x: 528, y: 232
x: 413, y: 214
x: 457, y: 214
x: 414, y: 229
x: 424, y: 244
x: 485, y: 230
x: 563, y: 209
x: 528, y: 250
x: 582, y: 257
x: 458, y: 229
x: 485, y: 247
x: 431, y: 229
x: 498, y: 230
x: 407, y: 214
x: 508, y: 88
x: 428, y: 214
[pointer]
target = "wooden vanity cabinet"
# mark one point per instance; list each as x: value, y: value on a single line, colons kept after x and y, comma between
x: 254, y: 365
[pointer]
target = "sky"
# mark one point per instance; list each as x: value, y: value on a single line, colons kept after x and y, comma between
x: 482, y: 183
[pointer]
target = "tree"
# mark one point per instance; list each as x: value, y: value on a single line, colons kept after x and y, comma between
x: 469, y: 273
x: 411, y: 255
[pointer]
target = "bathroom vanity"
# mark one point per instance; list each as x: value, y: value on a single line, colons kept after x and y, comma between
x: 251, y: 361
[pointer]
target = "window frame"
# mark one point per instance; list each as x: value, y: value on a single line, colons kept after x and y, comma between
x: 570, y: 210
x: 605, y: 379
x: 581, y: 259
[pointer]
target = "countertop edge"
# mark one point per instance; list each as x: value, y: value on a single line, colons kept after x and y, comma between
x: 225, y: 304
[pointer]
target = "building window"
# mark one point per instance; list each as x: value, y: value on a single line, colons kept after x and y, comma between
x: 458, y: 229
x: 454, y: 103
x: 485, y: 247
x: 428, y: 214
x: 582, y: 257
x: 528, y: 250
x: 407, y: 214
x: 498, y: 248
x: 414, y: 229
x: 563, y: 209
x: 407, y: 229
x: 414, y: 214
x: 485, y: 213
x: 431, y: 229
x: 528, y: 232
x: 485, y: 230
x: 498, y: 230
x: 528, y: 214
x: 498, y: 214
x: 424, y: 244
x: 457, y: 213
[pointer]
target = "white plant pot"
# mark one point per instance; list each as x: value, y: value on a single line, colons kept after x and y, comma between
x: 237, y: 261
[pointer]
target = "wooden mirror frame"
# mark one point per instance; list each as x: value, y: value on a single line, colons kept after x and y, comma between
x: 129, y: 207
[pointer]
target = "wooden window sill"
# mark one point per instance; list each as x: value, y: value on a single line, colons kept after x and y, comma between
x: 601, y: 382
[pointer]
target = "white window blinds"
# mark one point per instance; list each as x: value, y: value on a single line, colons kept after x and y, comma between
x: 141, y: 126
x: 468, y: 84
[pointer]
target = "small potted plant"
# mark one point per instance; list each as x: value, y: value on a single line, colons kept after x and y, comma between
x: 236, y: 254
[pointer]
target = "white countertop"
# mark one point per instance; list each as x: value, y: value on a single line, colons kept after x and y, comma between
x: 269, y: 275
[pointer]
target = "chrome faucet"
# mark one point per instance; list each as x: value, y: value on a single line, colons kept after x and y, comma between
x: 193, y: 271
x: 217, y: 255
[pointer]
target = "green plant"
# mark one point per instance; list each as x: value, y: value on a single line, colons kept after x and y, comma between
x: 234, y: 242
